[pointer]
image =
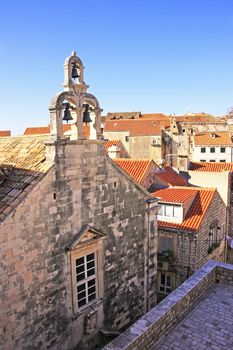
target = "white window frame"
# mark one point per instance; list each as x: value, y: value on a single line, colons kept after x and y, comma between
x: 165, y: 287
x: 86, y: 290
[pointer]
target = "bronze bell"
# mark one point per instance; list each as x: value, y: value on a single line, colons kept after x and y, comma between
x: 86, y: 114
x: 74, y: 72
x: 67, y: 114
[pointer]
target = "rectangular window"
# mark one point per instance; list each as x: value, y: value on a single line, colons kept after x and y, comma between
x: 176, y: 212
x: 222, y: 149
x: 160, y: 211
x: 168, y: 210
x: 86, y: 279
x: 212, y: 160
x: 203, y: 149
x: 166, y: 243
x: 212, y: 149
x: 165, y: 283
x: 202, y: 160
x: 126, y: 138
x: 223, y: 160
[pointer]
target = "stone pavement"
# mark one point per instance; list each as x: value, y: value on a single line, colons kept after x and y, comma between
x: 209, y: 325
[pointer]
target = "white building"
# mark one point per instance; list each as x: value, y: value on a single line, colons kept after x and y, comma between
x: 212, y: 147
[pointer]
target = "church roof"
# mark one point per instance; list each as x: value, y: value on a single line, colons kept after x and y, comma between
x: 22, y: 166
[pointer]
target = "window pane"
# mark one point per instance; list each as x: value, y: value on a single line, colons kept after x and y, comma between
x: 202, y: 149
x: 91, y: 297
x: 81, y: 302
x: 91, y: 282
x: 90, y: 264
x: 81, y: 287
x: 168, y: 210
x: 222, y: 149
x: 162, y: 278
x: 166, y: 243
x: 161, y: 289
x: 80, y: 277
x: 90, y: 272
x: 82, y: 295
x: 90, y: 256
x: 79, y: 261
x: 212, y: 149
x: 168, y: 281
x: 176, y: 212
x: 91, y: 290
x: 160, y: 212
x: 80, y: 269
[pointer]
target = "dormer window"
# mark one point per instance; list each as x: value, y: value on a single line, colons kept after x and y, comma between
x: 170, y: 211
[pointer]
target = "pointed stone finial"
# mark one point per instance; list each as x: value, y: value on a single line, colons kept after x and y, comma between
x: 73, y: 53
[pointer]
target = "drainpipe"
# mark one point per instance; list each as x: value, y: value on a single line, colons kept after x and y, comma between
x: 150, y: 209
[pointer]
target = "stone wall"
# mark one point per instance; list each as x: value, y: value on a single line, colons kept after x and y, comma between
x: 149, y: 328
x: 83, y: 187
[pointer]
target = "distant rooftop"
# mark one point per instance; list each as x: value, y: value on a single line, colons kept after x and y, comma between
x: 213, y: 139
x: 211, y: 166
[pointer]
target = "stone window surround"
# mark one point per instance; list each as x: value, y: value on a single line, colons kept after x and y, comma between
x: 79, y: 252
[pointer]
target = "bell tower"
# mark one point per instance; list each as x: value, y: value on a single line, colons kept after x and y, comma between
x: 75, y: 105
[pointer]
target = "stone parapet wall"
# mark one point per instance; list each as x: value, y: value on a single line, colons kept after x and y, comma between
x: 171, y: 310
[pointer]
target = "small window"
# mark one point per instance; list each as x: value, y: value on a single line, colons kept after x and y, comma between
x: 212, y: 160
x: 166, y: 243
x: 222, y: 160
x: 222, y: 150
x: 203, y: 150
x: 212, y: 149
x: 165, y: 283
x: 126, y: 138
x: 203, y: 160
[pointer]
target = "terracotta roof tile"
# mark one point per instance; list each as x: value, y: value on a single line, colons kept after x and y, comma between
x: 42, y: 130
x: 135, y: 127
x: 134, y: 167
x: 171, y: 177
x: 197, y: 210
x: 4, y: 133
x: 213, y: 138
x: 211, y: 167
x: 198, y: 118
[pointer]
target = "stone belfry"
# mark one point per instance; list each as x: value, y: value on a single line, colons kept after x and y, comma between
x: 75, y: 104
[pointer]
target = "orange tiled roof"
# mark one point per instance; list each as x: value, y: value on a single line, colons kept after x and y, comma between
x: 135, y: 127
x: 211, y: 167
x: 110, y: 143
x: 198, y: 118
x: 134, y: 167
x: 218, y: 138
x: 4, y: 133
x: 197, y: 210
x: 22, y: 166
x: 171, y: 177
x: 42, y: 130
x: 155, y: 116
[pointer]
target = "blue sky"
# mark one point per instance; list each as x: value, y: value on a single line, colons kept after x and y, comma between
x: 169, y: 56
